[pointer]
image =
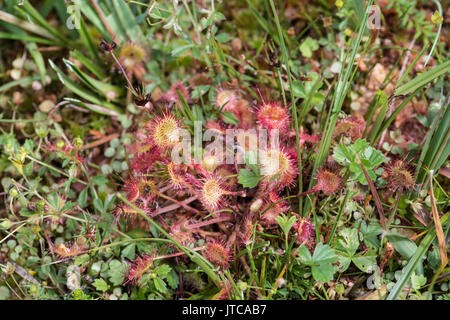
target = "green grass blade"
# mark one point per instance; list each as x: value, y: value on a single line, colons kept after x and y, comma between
x: 93, y: 107
x: 93, y: 17
x: 423, y: 79
x: 128, y: 21
x: 394, y: 114
x: 411, y: 66
x: 341, y: 90
x: 438, y: 33
x: 26, y: 38
x: 438, y: 137
x: 38, y: 59
x: 431, y: 133
x: 88, y: 41
x: 25, y: 25
x: 94, y: 84
x: 32, y: 49
x: 89, y: 64
x: 378, y: 122
x: 75, y: 88
x: 372, y: 107
x: 339, y: 95
x: 261, y: 20
x: 112, y: 17
x: 27, y: 9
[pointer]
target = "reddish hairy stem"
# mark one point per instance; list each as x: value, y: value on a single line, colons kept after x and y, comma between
x: 314, y: 189
x: 181, y: 204
x: 209, y: 222
x: 173, y: 206
x: 176, y: 254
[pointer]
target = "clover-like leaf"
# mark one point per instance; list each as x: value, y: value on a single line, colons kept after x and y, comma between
x: 323, y: 272
x: 324, y: 254
x: 320, y: 262
x: 248, y: 178
x: 117, y: 272
x: 100, y: 285
x: 369, y: 156
x: 308, y: 46
x: 365, y: 262
x: 286, y: 222
x: 347, y: 241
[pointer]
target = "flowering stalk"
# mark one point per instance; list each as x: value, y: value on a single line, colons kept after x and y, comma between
x: 110, y: 48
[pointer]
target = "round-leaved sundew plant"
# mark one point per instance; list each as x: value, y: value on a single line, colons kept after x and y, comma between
x: 352, y: 127
x: 271, y: 116
x: 279, y: 167
x: 175, y: 174
x: 210, y: 163
x: 164, y: 131
x: 217, y: 254
x: 226, y: 99
x: 212, y: 192
x: 139, y: 268
x: 125, y: 211
x: 204, y: 204
x: 327, y: 181
x: 171, y: 96
x: 141, y: 188
x: 246, y: 230
x: 305, y: 233
x: 399, y: 176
